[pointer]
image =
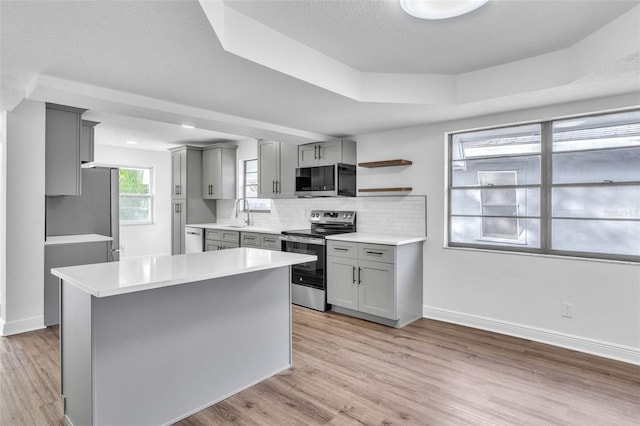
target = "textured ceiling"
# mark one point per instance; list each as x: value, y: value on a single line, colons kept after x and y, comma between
x: 377, y: 36
x: 168, y: 51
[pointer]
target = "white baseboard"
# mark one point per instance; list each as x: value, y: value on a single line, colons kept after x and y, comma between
x: 21, y: 326
x: 581, y: 344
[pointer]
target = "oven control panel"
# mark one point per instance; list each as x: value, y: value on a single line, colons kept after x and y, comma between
x: 333, y: 216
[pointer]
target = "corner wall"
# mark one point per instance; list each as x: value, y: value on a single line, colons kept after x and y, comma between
x: 513, y: 294
x: 23, y: 297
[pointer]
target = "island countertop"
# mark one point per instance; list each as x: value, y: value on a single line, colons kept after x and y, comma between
x: 132, y: 275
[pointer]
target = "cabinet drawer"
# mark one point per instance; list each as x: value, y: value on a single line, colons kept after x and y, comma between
x: 213, y: 234
x: 377, y: 252
x: 342, y: 249
x: 230, y: 236
x: 228, y: 245
x: 249, y: 239
x: 270, y: 241
x: 212, y: 246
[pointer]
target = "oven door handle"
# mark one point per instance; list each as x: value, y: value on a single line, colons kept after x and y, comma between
x: 305, y: 240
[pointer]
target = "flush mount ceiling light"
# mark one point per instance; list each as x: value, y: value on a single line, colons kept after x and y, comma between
x: 439, y: 9
x: 188, y: 126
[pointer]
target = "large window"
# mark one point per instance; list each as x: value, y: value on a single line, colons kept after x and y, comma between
x: 136, y: 196
x: 569, y: 187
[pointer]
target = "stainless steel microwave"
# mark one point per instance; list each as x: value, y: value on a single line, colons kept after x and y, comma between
x: 336, y: 180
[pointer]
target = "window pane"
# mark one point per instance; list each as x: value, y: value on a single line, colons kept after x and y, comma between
x: 613, y: 202
x: 472, y: 201
x: 251, y: 166
x: 496, y: 231
x: 260, y: 204
x: 597, y: 132
x: 251, y: 191
x: 516, y: 140
x: 134, y: 181
x: 618, y: 165
x: 251, y: 179
x: 134, y: 208
x: 469, y: 172
x: 597, y: 236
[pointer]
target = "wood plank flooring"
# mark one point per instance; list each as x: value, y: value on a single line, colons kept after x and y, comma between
x: 352, y: 372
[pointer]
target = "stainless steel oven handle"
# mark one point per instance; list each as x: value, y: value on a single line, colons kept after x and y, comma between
x: 305, y: 240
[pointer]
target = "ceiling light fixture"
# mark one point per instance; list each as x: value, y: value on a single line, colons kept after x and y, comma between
x: 131, y: 143
x: 188, y: 126
x: 439, y: 9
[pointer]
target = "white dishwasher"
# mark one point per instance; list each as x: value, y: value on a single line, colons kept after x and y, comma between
x: 193, y: 239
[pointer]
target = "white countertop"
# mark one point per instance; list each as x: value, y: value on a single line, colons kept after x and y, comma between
x: 228, y: 227
x: 75, y: 239
x: 131, y: 275
x: 388, y: 239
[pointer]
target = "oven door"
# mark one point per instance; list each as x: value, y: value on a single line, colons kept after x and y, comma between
x: 310, y: 274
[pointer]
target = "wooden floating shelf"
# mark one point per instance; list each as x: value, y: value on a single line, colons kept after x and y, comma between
x: 399, y: 189
x: 386, y: 163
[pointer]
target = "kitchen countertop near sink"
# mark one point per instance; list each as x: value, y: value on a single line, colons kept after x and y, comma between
x: 372, y: 238
x: 231, y: 227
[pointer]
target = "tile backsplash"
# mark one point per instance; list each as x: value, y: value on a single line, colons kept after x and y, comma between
x: 404, y: 215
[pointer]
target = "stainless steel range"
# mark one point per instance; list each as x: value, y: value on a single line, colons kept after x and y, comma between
x: 309, y: 282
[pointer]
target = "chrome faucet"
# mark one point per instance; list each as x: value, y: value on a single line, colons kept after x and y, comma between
x: 246, y: 209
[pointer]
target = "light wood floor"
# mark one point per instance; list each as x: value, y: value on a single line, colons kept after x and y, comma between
x: 352, y: 372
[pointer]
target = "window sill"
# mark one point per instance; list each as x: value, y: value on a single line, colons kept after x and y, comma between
x: 545, y: 255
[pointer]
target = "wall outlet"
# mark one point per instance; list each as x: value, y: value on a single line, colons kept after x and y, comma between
x: 567, y: 310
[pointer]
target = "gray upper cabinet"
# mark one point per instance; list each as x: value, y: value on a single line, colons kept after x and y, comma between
x: 327, y: 153
x: 87, y: 141
x: 219, y: 172
x: 62, y: 147
x: 277, y: 163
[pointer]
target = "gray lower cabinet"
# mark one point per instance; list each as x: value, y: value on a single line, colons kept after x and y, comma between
x: 178, y: 222
x: 216, y: 239
x: 56, y: 256
x: 381, y: 283
x: 260, y: 240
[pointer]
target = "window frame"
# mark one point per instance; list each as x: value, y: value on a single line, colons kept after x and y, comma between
x: 243, y: 188
x: 150, y: 196
x: 546, y: 190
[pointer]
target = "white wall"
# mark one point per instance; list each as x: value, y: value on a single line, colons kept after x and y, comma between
x: 23, y: 286
x: 510, y: 293
x: 155, y: 238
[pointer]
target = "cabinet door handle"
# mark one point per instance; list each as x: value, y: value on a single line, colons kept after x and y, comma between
x: 315, y: 152
x: 277, y: 190
x: 177, y: 208
x: 273, y: 186
x: 269, y: 241
x: 319, y: 152
x: 179, y: 189
x: 377, y: 253
x: 353, y: 275
x: 340, y: 249
x: 359, y: 275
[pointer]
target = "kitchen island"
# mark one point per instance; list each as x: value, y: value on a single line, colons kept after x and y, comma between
x: 149, y: 341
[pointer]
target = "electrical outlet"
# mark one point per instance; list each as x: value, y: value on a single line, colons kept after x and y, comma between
x: 567, y: 310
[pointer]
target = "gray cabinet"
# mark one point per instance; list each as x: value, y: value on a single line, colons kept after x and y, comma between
x: 381, y: 283
x: 260, y: 240
x: 327, y: 153
x: 216, y: 239
x: 187, y: 204
x: 219, y: 172
x: 63, y: 130
x: 57, y: 256
x: 87, y: 142
x: 276, y: 169
x: 178, y: 223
